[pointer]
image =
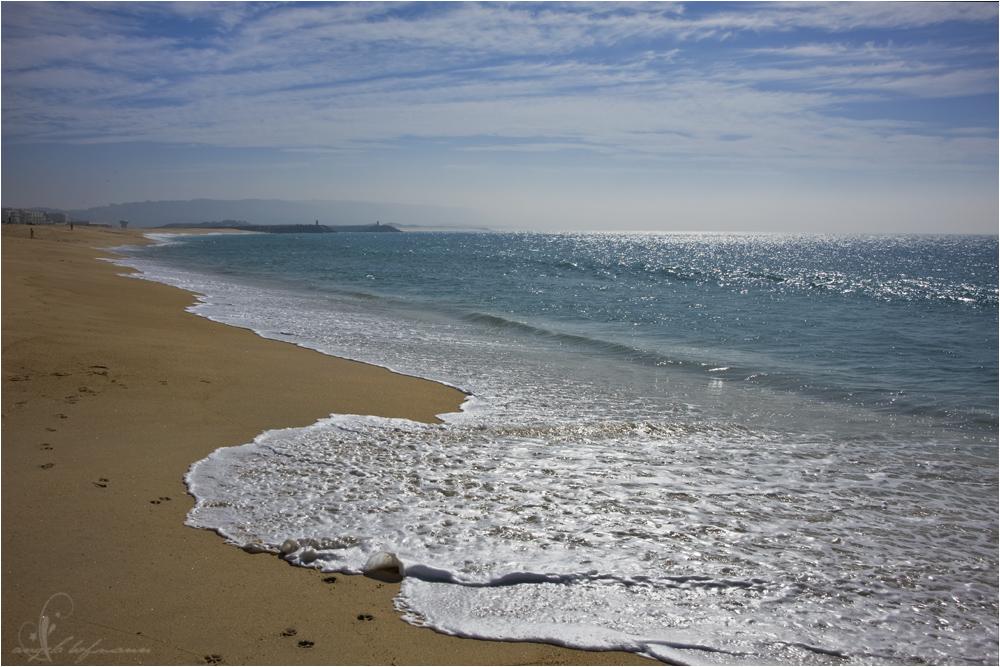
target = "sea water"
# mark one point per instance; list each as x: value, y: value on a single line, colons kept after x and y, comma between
x: 704, y: 448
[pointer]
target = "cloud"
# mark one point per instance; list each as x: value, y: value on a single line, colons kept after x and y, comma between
x: 640, y: 81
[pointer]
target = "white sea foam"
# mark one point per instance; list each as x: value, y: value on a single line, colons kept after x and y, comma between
x: 661, y: 536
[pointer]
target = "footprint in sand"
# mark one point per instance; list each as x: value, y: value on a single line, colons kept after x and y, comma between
x: 289, y: 632
x: 213, y: 659
x: 102, y: 483
x: 329, y: 580
x: 46, y: 466
x: 305, y: 643
x: 365, y: 617
x: 157, y: 502
x: 45, y: 446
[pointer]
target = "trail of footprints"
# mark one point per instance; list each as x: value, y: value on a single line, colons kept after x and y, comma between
x: 305, y: 643
x: 72, y: 399
x: 102, y: 482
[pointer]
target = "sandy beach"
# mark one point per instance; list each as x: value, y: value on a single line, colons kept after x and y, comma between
x: 110, y: 392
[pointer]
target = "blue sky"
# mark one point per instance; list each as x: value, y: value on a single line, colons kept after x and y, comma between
x: 810, y: 117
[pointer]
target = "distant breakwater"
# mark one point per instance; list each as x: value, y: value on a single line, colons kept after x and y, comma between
x: 286, y: 229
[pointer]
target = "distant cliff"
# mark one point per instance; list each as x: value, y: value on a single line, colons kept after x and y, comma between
x: 283, y: 229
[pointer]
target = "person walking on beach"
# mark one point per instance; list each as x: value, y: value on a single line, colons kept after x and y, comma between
x: 32, y: 232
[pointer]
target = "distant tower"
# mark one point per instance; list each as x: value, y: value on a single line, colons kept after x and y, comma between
x: 317, y: 223
x: 376, y: 223
x: 123, y: 223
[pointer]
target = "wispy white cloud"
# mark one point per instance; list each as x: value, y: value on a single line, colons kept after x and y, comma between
x: 643, y: 85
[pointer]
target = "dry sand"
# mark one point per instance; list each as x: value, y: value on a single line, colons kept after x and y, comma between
x: 110, y: 392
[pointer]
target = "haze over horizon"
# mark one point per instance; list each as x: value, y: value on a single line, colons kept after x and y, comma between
x: 816, y: 117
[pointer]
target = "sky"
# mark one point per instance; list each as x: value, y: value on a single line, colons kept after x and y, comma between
x: 785, y: 117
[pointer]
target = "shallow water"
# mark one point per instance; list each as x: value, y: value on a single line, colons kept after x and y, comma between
x: 720, y: 448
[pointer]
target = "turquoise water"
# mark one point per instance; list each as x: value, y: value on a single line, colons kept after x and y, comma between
x: 904, y: 325
x: 722, y: 448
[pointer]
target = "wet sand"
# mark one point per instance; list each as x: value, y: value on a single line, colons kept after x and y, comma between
x: 110, y: 391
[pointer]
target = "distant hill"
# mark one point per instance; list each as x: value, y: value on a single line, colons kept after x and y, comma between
x: 280, y: 212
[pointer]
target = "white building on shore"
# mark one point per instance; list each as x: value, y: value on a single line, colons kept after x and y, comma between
x: 26, y: 216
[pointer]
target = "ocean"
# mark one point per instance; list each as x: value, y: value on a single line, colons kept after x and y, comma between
x: 703, y: 448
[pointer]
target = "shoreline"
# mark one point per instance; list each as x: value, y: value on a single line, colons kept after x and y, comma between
x: 111, y: 391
